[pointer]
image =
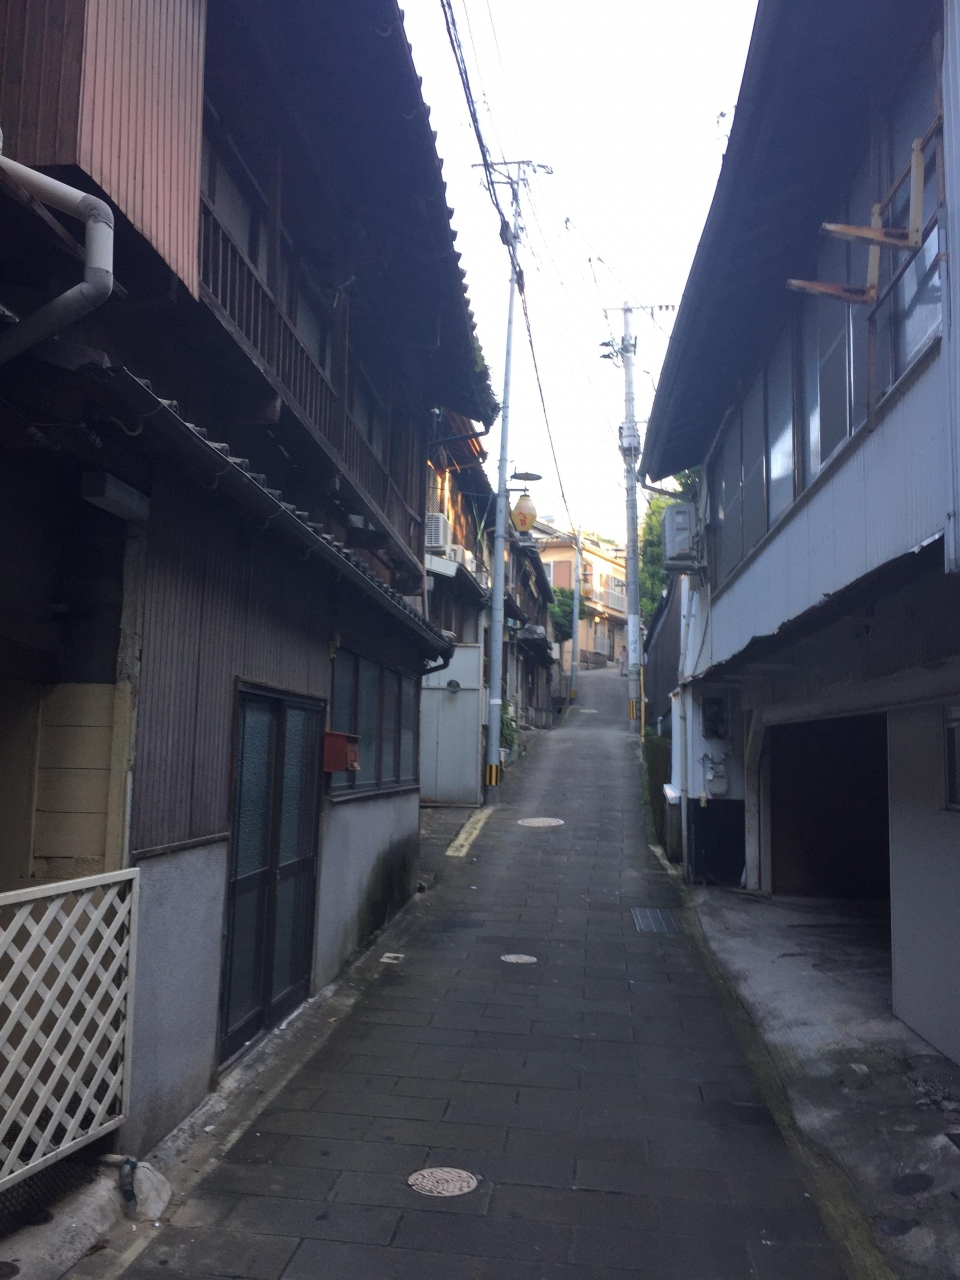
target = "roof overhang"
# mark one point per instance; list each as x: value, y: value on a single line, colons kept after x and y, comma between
x: 800, y: 130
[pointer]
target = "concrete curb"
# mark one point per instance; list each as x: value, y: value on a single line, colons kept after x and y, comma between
x: 830, y: 1186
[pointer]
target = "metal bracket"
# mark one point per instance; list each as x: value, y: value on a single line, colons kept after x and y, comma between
x: 857, y: 295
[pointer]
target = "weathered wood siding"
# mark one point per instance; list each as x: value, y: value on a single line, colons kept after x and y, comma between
x: 223, y: 603
x: 116, y: 88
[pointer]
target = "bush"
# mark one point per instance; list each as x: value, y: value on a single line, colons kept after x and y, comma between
x: 658, y: 753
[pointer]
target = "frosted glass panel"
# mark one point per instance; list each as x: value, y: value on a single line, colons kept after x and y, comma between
x: 390, y: 757
x: 251, y: 837
x: 408, y: 728
x: 780, y: 427
x: 754, y: 497
x: 368, y: 718
x: 300, y: 765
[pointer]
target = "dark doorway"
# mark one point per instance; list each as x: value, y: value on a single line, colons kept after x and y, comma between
x: 270, y: 906
x: 829, y: 834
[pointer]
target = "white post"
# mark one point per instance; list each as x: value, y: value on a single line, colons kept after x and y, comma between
x: 500, y: 540
x: 630, y: 451
x: 575, y: 621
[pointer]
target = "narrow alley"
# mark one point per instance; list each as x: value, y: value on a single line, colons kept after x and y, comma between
x: 599, y: 1095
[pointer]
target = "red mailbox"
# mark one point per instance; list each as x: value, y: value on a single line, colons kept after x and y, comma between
x: 341, y: 752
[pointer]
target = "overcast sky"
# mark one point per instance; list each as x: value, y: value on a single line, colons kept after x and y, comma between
x: 623, y: 100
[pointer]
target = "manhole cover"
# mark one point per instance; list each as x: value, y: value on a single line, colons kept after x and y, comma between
x: 519, y: 959
x: 588, y: 711
x: 539, y: 822
x: 655, y: 920
x: 442, y: 1182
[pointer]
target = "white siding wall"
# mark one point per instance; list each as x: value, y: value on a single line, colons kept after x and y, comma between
x: 924, y: 880
x: 887, y: 498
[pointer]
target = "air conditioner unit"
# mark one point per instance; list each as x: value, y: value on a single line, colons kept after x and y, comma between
x: 437, y: 533
x: 680, y: 551
x: 458, y: 553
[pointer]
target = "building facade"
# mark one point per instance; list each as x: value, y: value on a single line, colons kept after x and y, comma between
x: 603, y: 591
x: 815, y: 718
x: 213, y: 624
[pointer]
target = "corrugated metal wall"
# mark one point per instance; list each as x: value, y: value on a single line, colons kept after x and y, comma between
x: 116, y: 87
x: 141, y: 116
x: 221, y: 604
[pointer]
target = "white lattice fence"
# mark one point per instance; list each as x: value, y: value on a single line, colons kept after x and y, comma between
x: 67, y: 955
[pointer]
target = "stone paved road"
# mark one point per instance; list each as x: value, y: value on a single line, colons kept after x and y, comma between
x: 600, y: 1094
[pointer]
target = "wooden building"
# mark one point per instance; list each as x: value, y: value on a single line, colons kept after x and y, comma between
x: 213, y: 498
x: 461, y: 515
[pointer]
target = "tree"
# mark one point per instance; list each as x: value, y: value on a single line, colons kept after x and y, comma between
x: 654, y: 579
x: 562, y: 613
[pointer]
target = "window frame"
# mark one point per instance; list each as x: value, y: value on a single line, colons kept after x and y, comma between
x: 343, y: 786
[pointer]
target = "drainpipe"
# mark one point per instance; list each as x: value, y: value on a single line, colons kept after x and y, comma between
x: 97, y: 283
x: 684, y: 745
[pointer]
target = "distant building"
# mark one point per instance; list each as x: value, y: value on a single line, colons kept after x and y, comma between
x: 603, y: 590
x: 460, y: 515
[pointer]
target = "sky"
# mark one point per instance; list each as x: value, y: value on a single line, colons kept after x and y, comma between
x: 629, y: 102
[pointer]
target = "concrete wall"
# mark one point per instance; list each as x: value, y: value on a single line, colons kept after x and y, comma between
x: 924, y: 880
x: 177, y: 990
x: 368, y: 867
x: 902, y: 469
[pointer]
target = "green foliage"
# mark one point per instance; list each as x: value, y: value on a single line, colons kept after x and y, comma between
x: 653, y: 577
x: 508, y: 727
x: 562, y: 613
x: 657, y: 756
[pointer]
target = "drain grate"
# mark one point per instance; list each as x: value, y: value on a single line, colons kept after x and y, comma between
x: 655, y: 920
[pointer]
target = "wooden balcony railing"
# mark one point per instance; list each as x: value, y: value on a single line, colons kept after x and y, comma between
x: 229, y: 282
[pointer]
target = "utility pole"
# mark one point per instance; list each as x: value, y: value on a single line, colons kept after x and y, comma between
x: 630, y: 452
x: 500, y: 528
x: 575, y: 636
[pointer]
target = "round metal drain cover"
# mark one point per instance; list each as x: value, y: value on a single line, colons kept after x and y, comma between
x: 442, y: 1182
x: 539, y: 822
x: 518, y: 959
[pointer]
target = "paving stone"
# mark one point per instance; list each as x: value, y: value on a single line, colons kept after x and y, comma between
x: 374, y: 1157
x: 328, y: 1260
x: 221, y: 1253
x: 272, y: 1215
x: 498, y: 1168
x: 483, y: 1237
x: 270, y: 1180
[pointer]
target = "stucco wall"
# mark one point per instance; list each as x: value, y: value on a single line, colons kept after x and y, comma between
x: 368, y: 867
x: 924, y: 880
x: 177, y: 990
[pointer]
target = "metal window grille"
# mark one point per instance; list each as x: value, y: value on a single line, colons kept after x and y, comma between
x: 67, y: 958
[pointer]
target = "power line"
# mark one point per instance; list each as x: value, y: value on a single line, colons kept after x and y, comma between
x: 491, y: 176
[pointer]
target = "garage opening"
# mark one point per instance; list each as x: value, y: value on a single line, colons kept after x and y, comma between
x: 829, y: 832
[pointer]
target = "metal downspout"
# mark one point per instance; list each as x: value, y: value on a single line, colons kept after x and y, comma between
x: 97, y: 284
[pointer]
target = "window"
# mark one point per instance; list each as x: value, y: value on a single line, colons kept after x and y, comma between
x: 367, y: 411
x: 232, y: 197
x: 754, y: 460
x: 953, y: 757
x: 382, y: 707
x: 548, y: 571
x: 780, y: 428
